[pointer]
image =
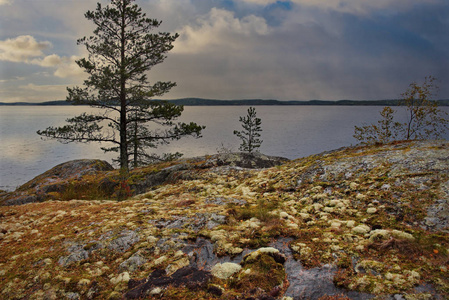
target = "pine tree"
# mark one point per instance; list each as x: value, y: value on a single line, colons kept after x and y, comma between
x: 250, y: 133
x: 121, y: 52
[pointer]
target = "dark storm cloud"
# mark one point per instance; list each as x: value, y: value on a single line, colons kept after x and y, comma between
x: 314, y: 53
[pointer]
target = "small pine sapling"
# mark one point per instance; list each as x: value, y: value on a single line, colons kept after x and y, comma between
x: 250, y: 133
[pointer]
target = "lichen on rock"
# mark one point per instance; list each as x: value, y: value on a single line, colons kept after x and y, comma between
x: 358, y: 222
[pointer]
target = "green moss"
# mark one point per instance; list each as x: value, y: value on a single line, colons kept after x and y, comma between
x: 344, y: 262
x: 263, y: 273
x: 82, y: 190
x: 262, y: 211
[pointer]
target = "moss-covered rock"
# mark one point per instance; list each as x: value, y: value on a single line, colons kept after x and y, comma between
x: 96, y: 179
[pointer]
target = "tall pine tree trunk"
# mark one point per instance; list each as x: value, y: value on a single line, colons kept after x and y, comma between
x: 123, y: 106
x: 135, y: 142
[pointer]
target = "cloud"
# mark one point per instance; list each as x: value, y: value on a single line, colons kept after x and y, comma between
x: 39, y: 88
x: 350, y: 6
x: 260, y: 2
x: 4, y: 2
x: 65, y: 66
x: 15, y: 78
x: 69, y: 68
x: 22, y: 48
x: 309, y: 54
x: 25, y: 49
x: 288, y: 49
x: 48, y: 61
x: 216, y: 29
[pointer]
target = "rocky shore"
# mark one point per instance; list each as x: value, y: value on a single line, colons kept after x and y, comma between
x: 354, y: 223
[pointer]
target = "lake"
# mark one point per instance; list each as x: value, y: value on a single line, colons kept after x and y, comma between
x: 288, y: 131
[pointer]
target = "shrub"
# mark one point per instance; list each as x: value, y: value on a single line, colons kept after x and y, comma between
x: 424, y: 120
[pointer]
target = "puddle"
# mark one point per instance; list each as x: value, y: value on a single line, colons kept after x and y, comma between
x: 303, y: 284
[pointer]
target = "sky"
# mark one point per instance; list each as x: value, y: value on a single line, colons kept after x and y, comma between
x: 241, y: 49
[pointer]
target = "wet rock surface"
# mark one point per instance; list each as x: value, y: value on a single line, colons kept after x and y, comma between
x: 188, y: 276
x: 355, y: 223
x: 311, y: 283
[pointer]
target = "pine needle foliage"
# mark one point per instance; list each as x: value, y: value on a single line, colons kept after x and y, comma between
x: 121, y: 51
x: 250, y: 133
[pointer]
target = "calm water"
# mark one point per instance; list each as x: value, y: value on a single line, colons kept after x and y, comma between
x: 290, y: 131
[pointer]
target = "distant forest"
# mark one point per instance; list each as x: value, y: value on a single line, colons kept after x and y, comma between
x: 249, y: 102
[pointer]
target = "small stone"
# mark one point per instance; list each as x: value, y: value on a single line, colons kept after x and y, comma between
x: 371, y: 210
x: 402, y: 235
x: 316, y: 189
x: 333, y: 203
x: 293, y: 225
x: 336, y: 224
x: 253, y: 223
x: 99, y: 263
x: 84, y: 282
x: 353, y: 185
x: 350, y: 223
x: 335, y: 248
x: 305, y: 216
x: 320, y: 196
x: 317, y: 207
x: 360, y: 196
x: 225, y: 270
x: 152, y: 240
x: 329, y: 209
x: 311, y: 223
x: 283, y: 215
x: 324, y: 217
x: 122, y: 277
x: 156, y: 291
x: 255, y: 254
x: 379, y: 235
x: 297, y: 247
x: 361, y: 229
x: 413, y: 274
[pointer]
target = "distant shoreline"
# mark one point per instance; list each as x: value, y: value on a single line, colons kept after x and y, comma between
x: 252, y: 102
